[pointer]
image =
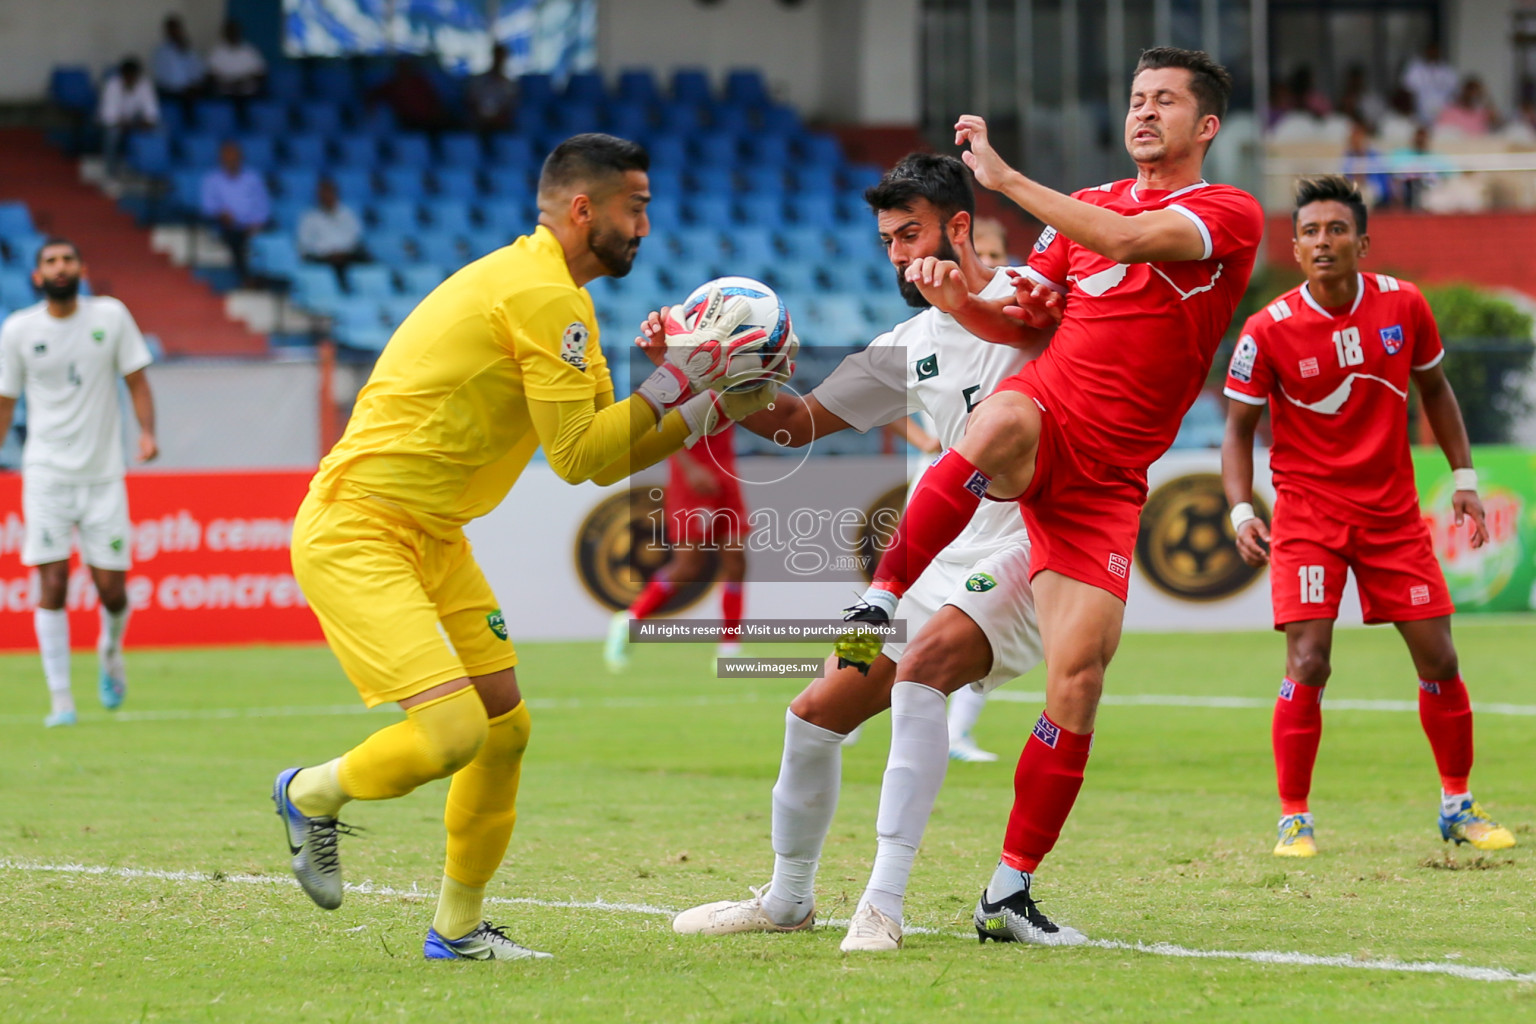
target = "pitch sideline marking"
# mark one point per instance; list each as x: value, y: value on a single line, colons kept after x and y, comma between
x: 1169, y: 949
x: 579, y: 703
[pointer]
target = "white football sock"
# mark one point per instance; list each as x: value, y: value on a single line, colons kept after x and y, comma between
x: 804, y: 800
x: 113, y: 626
x: 52, y: 628
x: 1005, y: 882
x: 965, y: 706
x: 1450, y: 803
x: 913, y: 774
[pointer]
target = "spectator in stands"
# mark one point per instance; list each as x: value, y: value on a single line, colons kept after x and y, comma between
x: 238, y: 69
x: 331, y: 233
x: 1281, y: 104
x: 178, y: 71
x: 128, y: 105
x: 1432, y: 81
x: 235, y: 200
x: 1469, y: 113
x: 1359, y: 101
x: 1419, y: 169
x: 491, y: 95
x: 412, y: 96
x: 1363, y: 164
x: 990, y: 239
x: 1307, y: 95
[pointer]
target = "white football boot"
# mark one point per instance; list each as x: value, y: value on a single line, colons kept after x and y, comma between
x: 727, y: 917
x: 871, y: 931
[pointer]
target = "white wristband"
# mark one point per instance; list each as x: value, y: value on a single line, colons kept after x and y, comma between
x: 1464, y: 479
x: 1241, y: 513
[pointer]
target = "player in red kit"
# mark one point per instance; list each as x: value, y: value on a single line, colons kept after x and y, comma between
x: 704, y: 511
x: 1332, y: 360
x: 1151, y: 269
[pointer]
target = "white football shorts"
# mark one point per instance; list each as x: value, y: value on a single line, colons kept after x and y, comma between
x: 995, y: 592
x: 53, y: 510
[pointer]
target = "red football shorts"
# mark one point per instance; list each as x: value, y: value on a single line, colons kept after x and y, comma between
x: 1395, y: 568
x: 1082, y: 514
x: 706, y: 520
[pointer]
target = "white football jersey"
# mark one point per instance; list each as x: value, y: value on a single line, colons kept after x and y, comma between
x: 69, y: 368
x: 931, y: 364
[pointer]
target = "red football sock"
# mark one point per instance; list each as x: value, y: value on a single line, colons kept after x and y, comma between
x: 1045, y: 786
x: 1298, y: 725
x: 730, y: 610
x: 651, y: 598
x: 1446, y: 714
x: 940, y: 507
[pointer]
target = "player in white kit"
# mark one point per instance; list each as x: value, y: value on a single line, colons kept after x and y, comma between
x: 972, y: 613
x: 66, y: 355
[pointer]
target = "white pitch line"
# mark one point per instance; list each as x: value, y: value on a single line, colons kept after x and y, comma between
x: 709, y: 700
x: 1169, y: 949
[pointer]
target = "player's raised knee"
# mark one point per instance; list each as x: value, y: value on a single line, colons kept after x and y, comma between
x: 452, y: 728
x: 1309, y: 666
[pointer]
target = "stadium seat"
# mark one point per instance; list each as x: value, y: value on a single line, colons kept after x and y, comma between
x: 285, y: 81
x: 851, y: 208
x: 690, y: 85
x: 666, y: 181
x: 576, y: 118
x: 631, y: 120
x: 258, y: 151
x: 403, y: 182
x: 149, y: 154
x: 459, y: 149
x: 370, y: 279
x: 704, y: 242
x: 513, y: 151
x: 417, y: 279
x: 16, y: 291
x: 267, y: 117
x: 778, y: 120
x: 457, y: 182
x: 710, y: 209
x: 536, y: 89
x: 360, y: 325
x: 214, y: 117
x: 197, y: 152
x: 537, y: 122
x: 833, y: 320
x: 298, y: 183
x: 315, y: 289
x: 483, y: 241
x: 858, y: 177
x: 763, y: 182
x: 815, y: 178
x: 764, y: 211
x: 804, y: 242
x: 819, y: 209
x: 510, y: 182
x: 450, y: 215
x: 411, y: 150
x: 853, y: 277
x: 287, y: 212
x: 712, y: 181
x: 334, y: 80
x: 764, y: 151
x: 353, y: 184
x: 585, y: 87
x: 70, y: 87
x: 858, y: 240
x: 746, y: 86
x: 680, y: 117
x: 668, y: 151
x: 361, y: 151
x: 794, y: 278
x: 306, y: 150
x: 507, y: 215
x: 638, y: 84
x: 393, y: 247
x: 439, y: 247
x: 681, y: 276
x: 665, y: 212
x: 821, y: 149
x: 378, y: 121
x: 318, y: 116
x: 399, y: 214
x: 186, y: 192
x: 752, y: 244
x: 395, y: 308
x: 273, y: 256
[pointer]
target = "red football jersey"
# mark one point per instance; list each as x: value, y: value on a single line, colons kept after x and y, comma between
x: 717, y: 455
x: 1137, y: 340
x: 1337, y: 386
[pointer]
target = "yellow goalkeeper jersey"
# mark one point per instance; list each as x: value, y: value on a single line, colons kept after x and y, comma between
x: 442, y: 429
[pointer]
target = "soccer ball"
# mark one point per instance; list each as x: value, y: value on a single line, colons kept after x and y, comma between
x: 767, y: 314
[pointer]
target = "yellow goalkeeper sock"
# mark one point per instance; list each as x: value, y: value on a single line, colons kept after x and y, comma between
x: 317, y: 791
x: 481, y: 811
x: 435, y: 740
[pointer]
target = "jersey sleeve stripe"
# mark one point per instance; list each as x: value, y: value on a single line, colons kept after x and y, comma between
x: 1205, y: 232
x: 1279, y: 310
x: 1433, y: 362
x: 1245, y: 399
x: 1387, y: 283
x: 1035, y: 275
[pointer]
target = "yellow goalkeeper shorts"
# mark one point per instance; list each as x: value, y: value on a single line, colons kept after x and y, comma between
x: 402, y: 610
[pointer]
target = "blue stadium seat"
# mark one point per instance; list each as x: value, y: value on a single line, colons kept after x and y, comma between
x: 510, y: 182
x: 361, y: 151
x: 746, y: 86
x: 297, y: 183
x: 585, y: 87
x: 715, y: 149
x: 509, y: 216
x: 666, y: 181
x: 305, y: 150
x: 411, y: 150
x: 334, y: 80
x: 851, y: 207
x: 353, y: 184
x: 668, y: 151
x: 273, y: 256
x: 70, y: 87
x: 803, y: 242
x: 450, y: 215
x: 512, y: 150
x: 821, y: 149
x: 267, y: 117
x: 643, y: 281
x: 197, y: 152
x: 766, y: 182
x: 679, y: 117
x: 752, y: 245
x: 576, y: 118
x: 816, y: 178
x: 359, y: 324
x: 710, y: 210
x: 680, y: 277
x: 858, y: 177
x: 460, y: 149
x: 186, y: 192
x: 834, y: 320
x: 794, y: 279
x: 404, y: 182
x: 706, y: 243
x: 149, y: 153
x: 691, y: 85
x: 173, y: 119
x: 315, y: 288
x: 318, y: 116
x: 536, y: 89
x: 417, y: 279
x: 763, y: 151
x: 395, y: 214
x: 854, y: 277
x: 858, y: 240
x: 370, y: 279
x: 258, y: 151
x: 483, y: 241
x: 379, y: 121
x: 214, y: 117
x: 887, y: 308
x: 16, y: 291
x: 393, y: 247
x: 818, y: 209
x: 779, y: 120
x: 395, y: 308
x: 631, y: 120
x: 287, y: 212
x: 439, y: 247
x: 764, y: 211
x: 285, y: 81
x: 712, y: 180
x: 665, y: 212
x: 638, y: 84
x: 458, y: 182
x: 538, y: 122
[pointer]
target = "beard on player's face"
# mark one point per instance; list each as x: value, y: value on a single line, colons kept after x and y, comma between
x: 61, y: 287
x: 614, y: 249
x: 909, y: 291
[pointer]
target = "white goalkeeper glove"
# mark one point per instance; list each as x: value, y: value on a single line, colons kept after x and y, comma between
x: 704, y: 352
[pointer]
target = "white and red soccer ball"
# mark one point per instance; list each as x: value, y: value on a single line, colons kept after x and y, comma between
x: 767, y: 318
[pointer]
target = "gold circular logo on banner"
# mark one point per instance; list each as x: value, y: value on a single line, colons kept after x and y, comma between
x: 879, y: 526
x: 1186, y: 545
x: 618, y: 549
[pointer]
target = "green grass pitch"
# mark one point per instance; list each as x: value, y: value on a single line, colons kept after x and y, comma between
x: 652, y: 790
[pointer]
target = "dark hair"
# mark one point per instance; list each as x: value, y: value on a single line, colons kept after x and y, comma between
x: 49, y: 243
x: 590, y: 157
x: 1209, y: 81
x: 1329, y: 187
x: 942, y: 180
x: 130, y: 66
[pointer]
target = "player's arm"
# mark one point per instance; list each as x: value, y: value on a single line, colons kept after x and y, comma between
x: 143, y: 412
x: 908, y: 430
x: 794, y: 421
x: 7, y: 410
x: 1152, y: 237
x: 1025, y: 321
x: 1237, y: 480
x: 1444, y: 415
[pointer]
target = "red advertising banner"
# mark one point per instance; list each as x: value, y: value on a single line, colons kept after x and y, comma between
x: 210, y: 564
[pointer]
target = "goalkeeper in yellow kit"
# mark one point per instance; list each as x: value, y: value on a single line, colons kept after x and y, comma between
x: 499, y: 360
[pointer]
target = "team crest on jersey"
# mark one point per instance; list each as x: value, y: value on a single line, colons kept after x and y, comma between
x: 1046, y: 238
x: 928, y: 367
x: 1308, y: 367
x: 497, y: 623
x: 98, y: 335
x: 1392, y: 339
x: 1047, y: 732
x: 573, y: 345
x: 980, y: 583
x: 40, y: 349
x: 1243, y: 358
